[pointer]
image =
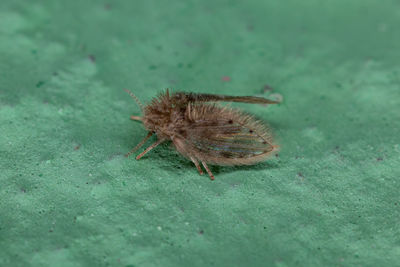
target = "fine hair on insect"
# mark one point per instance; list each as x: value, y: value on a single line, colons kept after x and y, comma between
x: 205, y: 132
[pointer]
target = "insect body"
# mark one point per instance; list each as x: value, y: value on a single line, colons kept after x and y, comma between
x: 205, y: 132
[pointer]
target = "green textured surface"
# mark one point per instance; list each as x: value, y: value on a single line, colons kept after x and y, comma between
x: 68, y: 197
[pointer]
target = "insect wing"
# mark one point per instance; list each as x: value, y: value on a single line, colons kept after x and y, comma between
x: 226, y: 136
x: 193, y: 97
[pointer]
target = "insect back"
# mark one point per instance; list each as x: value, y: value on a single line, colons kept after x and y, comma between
x: 205, y: 132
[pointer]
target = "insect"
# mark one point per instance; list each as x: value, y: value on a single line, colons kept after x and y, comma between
x: 205, y: 132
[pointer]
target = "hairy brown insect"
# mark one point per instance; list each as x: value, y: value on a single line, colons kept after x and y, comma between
x: 206, y: 132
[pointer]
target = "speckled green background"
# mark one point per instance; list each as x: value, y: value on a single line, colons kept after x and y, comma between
x: 68, y: 197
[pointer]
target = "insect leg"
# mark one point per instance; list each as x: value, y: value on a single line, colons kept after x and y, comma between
x: 197, y: 165
x: 208, y: 170
x: 139, y: 145
x: 136, y: 118
x: 159, y: 141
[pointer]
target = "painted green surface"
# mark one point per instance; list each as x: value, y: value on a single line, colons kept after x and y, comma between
x: 68, y: 196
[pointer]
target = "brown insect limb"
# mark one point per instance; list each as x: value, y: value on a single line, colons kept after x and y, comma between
x: 196, y: 163
x: 136, y: 118
x: 208, y: 170
x: 159, y: 141
x: 135, y: 98
x: 139, y: 145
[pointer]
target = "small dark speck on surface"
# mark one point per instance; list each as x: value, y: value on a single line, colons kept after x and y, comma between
x: 379, y: 159
x: 201, y: 232
x: 39, y: 84
x: 77, y: 147
x: 266, y: 88
x: 152, y: 67
x: 92, y: 58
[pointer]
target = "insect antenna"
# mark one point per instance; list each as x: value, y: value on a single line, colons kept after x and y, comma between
x: 135, y: 98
